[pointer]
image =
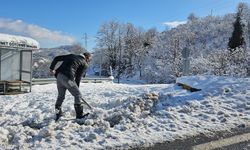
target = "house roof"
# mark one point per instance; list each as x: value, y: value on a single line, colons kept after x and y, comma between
x: 14, y: 41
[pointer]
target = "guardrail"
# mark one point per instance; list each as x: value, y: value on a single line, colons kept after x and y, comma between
x: 39, y: 81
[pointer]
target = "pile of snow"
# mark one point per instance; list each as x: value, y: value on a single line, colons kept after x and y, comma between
x: 124, y: 115
x: 215, y: 84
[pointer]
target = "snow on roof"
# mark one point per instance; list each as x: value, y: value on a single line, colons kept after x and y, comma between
x: 14, y: 41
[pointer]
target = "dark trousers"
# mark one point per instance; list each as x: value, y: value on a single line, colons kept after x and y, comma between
x: 63, y: 84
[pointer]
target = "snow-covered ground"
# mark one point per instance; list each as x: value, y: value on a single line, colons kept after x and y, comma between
x: 124, y: 115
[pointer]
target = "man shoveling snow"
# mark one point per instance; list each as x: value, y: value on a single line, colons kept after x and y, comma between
x: 68, y: 77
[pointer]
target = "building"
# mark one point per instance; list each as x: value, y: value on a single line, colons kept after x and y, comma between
x: 16, y: 63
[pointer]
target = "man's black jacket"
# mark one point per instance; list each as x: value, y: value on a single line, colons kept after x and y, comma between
x: 73, y: 66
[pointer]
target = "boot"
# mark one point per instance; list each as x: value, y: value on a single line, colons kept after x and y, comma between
x: 79, y: 111
x: 58, y: 112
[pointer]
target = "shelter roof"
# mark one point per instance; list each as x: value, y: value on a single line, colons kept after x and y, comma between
x: 14, y: 41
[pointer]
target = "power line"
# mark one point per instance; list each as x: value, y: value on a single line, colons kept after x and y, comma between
x: 215, y: 6
x: 88, y: 40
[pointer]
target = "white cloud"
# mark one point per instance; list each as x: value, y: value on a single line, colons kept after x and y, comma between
x: 45, y: 37
x: 173, y: 24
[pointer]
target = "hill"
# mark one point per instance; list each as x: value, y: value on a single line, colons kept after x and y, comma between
x: 44, y: 56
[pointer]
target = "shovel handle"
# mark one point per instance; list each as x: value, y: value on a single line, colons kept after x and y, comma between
x: 86, y: 103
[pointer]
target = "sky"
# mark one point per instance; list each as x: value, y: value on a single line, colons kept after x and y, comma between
x: 61, y: 22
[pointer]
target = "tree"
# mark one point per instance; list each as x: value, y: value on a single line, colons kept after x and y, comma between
x: 237, y: 39
x: 192, y: 17
x: 108, y: 41
x: 131, y: 41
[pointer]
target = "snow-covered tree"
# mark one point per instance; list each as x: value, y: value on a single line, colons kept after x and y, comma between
x: 107, y: 40
x: 157, y: 57
x: 132, y: 42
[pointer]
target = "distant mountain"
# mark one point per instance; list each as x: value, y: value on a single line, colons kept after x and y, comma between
x: 42, y: 58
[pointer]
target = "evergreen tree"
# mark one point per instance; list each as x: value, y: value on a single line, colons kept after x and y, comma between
x: 237, y: 39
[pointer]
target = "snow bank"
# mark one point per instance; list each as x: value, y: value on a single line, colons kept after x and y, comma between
x: 215, y: 83
x: 124, y: 116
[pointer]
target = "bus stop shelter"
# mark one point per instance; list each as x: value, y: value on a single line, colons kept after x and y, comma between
x: 16, y: 63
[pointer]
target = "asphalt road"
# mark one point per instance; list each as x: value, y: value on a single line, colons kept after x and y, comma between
x: 236, y: 139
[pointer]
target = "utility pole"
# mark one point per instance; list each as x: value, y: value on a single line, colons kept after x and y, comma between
x: 100, y: 72
x: 85, y: 38
x: 248, y: 44
x: 211, y: 12
x: 186, y: 61
x: 120, y: 55
x: 176, y: 52
x: 248, y: 33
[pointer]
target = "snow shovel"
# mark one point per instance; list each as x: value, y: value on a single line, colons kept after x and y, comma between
x: 86, y: 103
